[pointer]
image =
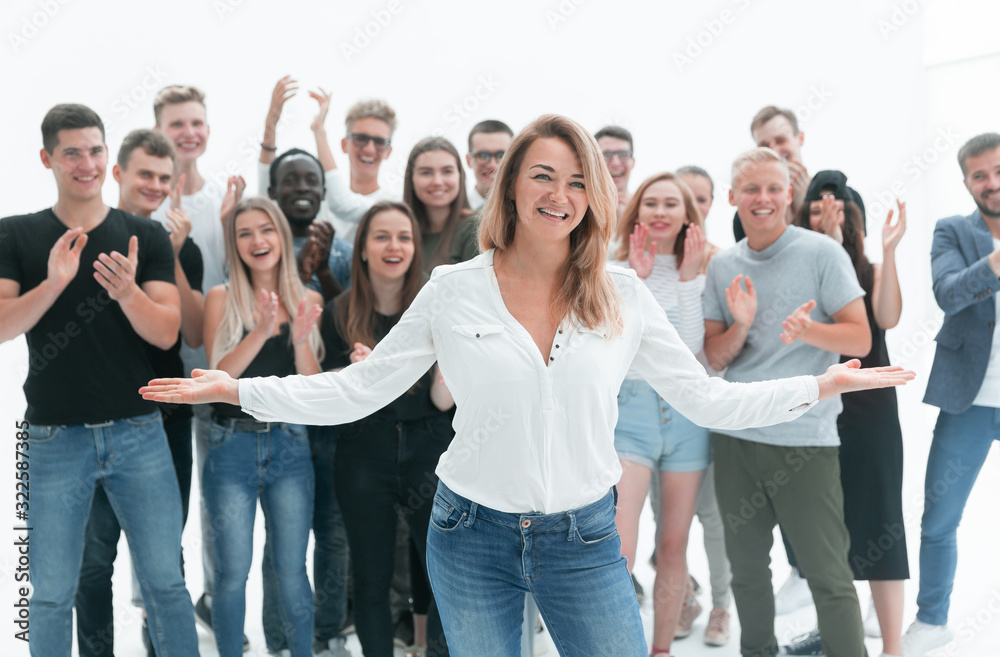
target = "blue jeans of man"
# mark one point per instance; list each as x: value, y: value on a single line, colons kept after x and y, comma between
x: 131, y: 460
x: 330, y: 554
x: 959, y: 448
x: 247, y: 460
x: 482, y: 562
x: 94, y: 609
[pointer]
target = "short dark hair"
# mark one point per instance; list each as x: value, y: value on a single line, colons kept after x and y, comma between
x: 489, y: 125
x: 273, y: 171
x: 152, y: 142
x: 615, y: 131
x: 67, y: 116
x: 771, y: 111
x: 692, y: 170
x: 977, y: 146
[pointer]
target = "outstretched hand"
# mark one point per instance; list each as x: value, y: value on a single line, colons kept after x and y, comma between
x: 849, y: 377
x: 206, y: 386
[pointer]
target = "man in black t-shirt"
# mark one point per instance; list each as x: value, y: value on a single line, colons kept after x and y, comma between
x: 88, y: 285
x: 145, y: 176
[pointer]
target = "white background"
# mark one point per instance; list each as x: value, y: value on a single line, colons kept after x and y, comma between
x: 885, y: 91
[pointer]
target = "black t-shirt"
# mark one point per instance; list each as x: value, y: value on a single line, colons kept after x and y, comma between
x: 413, y: 404
x: 167, y: 362
x: 86, y: 362
x: 275, y: 358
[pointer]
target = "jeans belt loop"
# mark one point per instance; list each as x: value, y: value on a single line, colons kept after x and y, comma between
x: 572, y: 526
x: 471, y: 518
x: 98, y: 425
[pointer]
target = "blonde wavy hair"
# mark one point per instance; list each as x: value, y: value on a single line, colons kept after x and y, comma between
x: 238, y: 312
x: 587, y: 290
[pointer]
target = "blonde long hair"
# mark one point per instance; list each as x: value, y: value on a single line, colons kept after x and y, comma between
x: 630, y: 216
x: 587, y: 290
x: 238, y: 312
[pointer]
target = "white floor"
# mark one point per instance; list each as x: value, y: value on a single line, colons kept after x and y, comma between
x: 975, y: 604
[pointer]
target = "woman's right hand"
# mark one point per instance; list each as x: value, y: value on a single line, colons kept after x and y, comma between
x: 637, y: 256
x: 266, y: 313
x: 283, y: 90
x: 360, y: 353
x: 206, y: 386
x: 850, y: 377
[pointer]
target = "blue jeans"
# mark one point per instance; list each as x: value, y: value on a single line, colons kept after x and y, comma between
x: 960, y: 445
x: 131, y: 460
x: 94, y: 610
x: 247, y: 459
x: 482, y: 562
x: 330, y: 554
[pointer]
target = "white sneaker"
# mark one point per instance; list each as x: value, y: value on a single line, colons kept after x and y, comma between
x: 793, y: 594
x: 336, y: 647
x: 921, y: 637
x: 872, y: 628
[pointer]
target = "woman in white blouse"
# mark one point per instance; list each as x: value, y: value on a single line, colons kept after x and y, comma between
x: 533, y: 338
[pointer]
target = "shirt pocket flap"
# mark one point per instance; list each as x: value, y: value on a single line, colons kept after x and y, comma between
x: 477, y: 330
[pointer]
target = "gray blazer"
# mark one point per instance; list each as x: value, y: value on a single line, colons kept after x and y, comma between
x: 965, y: 288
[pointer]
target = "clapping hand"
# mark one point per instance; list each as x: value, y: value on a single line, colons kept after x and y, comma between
x: 116, y: 273
x: 177, y: 219
x: 638, y: 259
x: 266, y: 313
x: 694, y: 253
x: 285, y: 89
x: 360, y: 353
x: 742, y: 303
x: 797, y: 322
x: 323, y: 99
x: 64, y: 258
x: 305, y: 321
x: 234, y: 192
x: 892, y: 233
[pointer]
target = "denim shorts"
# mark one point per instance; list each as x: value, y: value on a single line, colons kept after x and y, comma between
x: 651, y: 433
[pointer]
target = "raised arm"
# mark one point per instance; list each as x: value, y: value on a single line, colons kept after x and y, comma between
x: 323, y: 152
x: 887, y: 299
x: 958, y: 285
x: 283, y: 90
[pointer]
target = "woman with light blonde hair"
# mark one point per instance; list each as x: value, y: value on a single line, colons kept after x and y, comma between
x: 261, y: 323
x: 533, y: 338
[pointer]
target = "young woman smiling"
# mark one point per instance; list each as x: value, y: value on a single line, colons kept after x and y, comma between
x: 534, y: 338
x: 247, y: 459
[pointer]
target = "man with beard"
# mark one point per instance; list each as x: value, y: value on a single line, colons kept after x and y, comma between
x: 964, y: 383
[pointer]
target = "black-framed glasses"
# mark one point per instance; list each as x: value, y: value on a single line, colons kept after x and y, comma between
x: 361, y: 140
x: 483, y: 157
x: 621, y: 155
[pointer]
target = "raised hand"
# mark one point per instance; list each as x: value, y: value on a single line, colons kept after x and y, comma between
x: 848, y: 377
x: 283, y: 90
x: 180, y: 227
x: 234, y: 192
x: 831, y: 218
x: 892, y: 233
x: 206, y: 386
x: 116, y: 273
x: 307, y: 260
x: 694, y: 253
x: 797, y: 322
x: 322, y: 236
x: 360, y: 352
x: 323, y: 99
x: 637, y: 257
x: 305, y: 320
x: 64, y: 258
x: 266, y: 313
x: 177, y: 192
x: 742, y: 303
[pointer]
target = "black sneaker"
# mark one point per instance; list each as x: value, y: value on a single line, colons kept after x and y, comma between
x: 640, y: 595
x: 203, y: 616
x: 807, y: 644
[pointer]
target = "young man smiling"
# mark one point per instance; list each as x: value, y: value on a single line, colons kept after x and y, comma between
x: 811, y: 311
x: 88, y: 285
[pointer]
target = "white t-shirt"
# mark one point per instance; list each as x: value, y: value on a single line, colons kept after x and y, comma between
x: 476, y: 200
x: 530, y: 435
x: 989, y: 392
x: 348, y: 206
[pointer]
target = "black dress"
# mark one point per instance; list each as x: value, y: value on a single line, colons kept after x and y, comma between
x: 871, y: 467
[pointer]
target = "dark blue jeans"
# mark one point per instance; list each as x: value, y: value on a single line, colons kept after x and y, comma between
x: 330, y: 554
x: 94, y: 610
x: 384, y: 469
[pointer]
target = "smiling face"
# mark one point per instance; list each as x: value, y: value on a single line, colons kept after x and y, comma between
x: 436, y: 178
x: 619, y: 165
x: 982, y: 179
x: 489, y: 142
x: 549, y: 191
x: 662, y: 211
x: 365, y: 160
x: 144, y: 183
x: 761, y: 194
x: 701, y: 187
x: 388, y: 247
x: 79, y: 163
x: 184, y: 123
x: 778, y: 135
x: 298, y: 189
x: 257, y: 241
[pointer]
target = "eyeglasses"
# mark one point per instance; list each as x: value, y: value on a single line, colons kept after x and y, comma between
x: 361, y: 140
x: 485, y: 156
x: 621, y: 155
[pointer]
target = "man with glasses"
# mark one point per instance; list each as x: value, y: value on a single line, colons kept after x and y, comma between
x: 616, y: 144
x: 488, y: 141
x: 367, y: 142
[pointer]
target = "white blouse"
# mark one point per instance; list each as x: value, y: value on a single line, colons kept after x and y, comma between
x: 530, y: 436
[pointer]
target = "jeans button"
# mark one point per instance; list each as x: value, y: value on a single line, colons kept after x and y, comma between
x: 526, y: 523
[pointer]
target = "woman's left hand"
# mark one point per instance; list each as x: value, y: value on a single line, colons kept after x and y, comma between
x: 205, y: 387
x: 694, y: 253
x: 892, y: 233
x: 305, y: 321
x: 849, y: 377
x: 360, y: 352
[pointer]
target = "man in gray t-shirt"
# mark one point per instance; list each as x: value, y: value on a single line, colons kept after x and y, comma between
x: 784, y: 301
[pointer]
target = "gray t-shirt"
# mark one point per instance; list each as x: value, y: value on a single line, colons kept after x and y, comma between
x: 800, y: 265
